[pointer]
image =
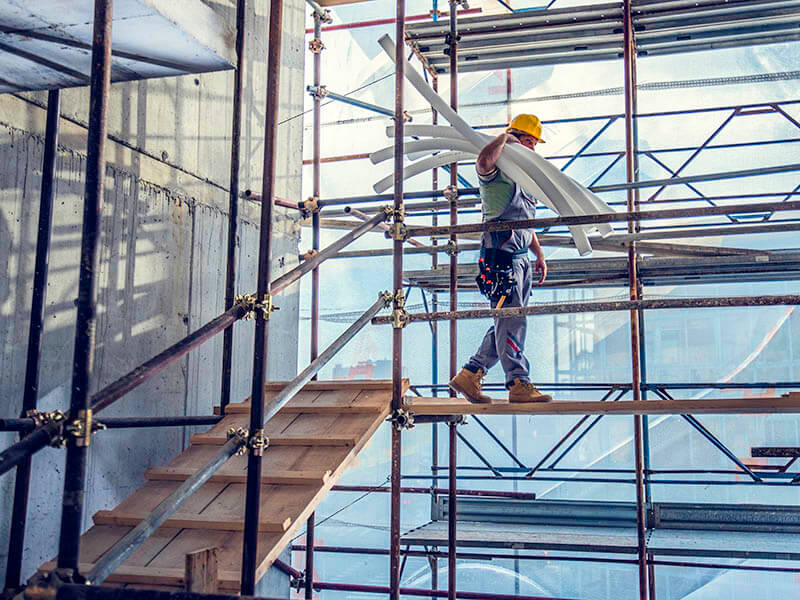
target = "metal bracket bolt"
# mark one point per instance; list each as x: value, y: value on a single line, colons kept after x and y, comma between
x: 83, y: 428
x: 309, y: 207
x: 257, y: 443
x: 451, y: 248
x: 400, y: 316
x: 241, y: 435
x: 398, y: 231
x: 387, y: 298
x: 389, y: 212
x: 318, y: 92
x: 451, y: 193
x: 402, y: 419
x: 255, y: 308
x: 316, y: 46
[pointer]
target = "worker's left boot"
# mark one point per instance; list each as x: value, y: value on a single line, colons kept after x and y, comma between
x: 523, y: 391
x: 468, y: 384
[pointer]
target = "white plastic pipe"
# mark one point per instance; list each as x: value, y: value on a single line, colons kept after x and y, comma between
x: 587, y: 201
x: 433, y: 162
x: 554, y: 198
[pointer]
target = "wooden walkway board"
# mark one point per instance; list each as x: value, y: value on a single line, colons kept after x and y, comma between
x: 788, y: 403
x: 312, y: 442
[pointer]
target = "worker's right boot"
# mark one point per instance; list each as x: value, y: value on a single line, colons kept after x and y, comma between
x: 468, y: 384
x: 523, y: 391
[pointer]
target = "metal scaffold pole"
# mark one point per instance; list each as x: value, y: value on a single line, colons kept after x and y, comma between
x: 434, y: 561
x: 264, y: 297
x: 453, y: 198
x: 629, y: 65
x: 233, y: 206
x: 398, y: 302
x: 82, y: 367
x: 316, y: 48
x: 19, y: 512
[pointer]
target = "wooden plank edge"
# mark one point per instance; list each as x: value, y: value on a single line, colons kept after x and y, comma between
x: 210, y: 439
x: 276, y: 477
x: 185, y: 521
x: 735, y: 406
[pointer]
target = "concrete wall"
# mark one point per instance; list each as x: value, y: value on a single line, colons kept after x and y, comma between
x: 163, y: 258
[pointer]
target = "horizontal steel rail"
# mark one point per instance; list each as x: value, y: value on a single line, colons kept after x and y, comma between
x: 582, y: 307
x: 673, y: 213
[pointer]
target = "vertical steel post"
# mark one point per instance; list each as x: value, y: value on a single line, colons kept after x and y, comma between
x: 453, y: 46
x: 82, y: 365
x: 398, y: 303
x: 629, y: 65
x: 233, y: 200
x: 451, y: 524
x: 433, y: 560
x: 316, y: 48
x: 452, y: 514
x: 253, y: 488
x: 19, y: 512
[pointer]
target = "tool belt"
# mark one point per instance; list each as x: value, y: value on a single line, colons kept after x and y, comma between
x: 495, y: 273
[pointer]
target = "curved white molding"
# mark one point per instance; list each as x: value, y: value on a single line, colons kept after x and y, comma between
x: 433, y: 162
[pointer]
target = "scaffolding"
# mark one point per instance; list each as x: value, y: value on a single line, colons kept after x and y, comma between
x: 76, y: 428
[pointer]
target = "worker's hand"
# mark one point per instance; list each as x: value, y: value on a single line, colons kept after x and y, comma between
x: 541, y: 268
x: 511, y: 139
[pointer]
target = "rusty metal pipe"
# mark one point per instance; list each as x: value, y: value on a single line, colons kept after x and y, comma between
x: 82, y: 366
x: 261, y: 347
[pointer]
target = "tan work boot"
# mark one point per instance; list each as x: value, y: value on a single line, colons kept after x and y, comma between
x: 468, y: 384
x: 522, y: 391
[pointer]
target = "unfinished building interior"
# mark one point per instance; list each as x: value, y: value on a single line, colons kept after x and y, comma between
x: 217, y: 272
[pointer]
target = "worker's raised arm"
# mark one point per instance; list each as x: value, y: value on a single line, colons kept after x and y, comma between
x: 487, y: 159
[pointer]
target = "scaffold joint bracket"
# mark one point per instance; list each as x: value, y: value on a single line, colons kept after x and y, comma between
x: 257, y: 443
x: 255, y: 308
x: 309, y: 207
x: 241, y: 435
x: 402, y: 419
x: 316, y: 46
x: 451, y: 193
x: 318, y: 92
x: 451, y: 248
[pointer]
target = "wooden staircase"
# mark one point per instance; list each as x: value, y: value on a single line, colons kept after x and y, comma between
x: 312, y: 441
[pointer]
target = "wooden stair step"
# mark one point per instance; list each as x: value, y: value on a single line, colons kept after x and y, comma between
x: 276, y: 477
x: 184, y: 521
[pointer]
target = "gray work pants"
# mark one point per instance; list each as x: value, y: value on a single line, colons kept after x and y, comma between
x: 505, y: 340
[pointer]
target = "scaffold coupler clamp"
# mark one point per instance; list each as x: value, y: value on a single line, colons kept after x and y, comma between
x: 387, y: 298
x: 318, y: 92
x: 449, y: 40
x: 407, y: 118
x: 451, y: 193
x: 54, y: 418
x: 402, y: 419
x: 297, y: 583
x: 309, y: 207
x: 82, y: 428
x: 400, y: 316
x: 257, y: 443
x: 241, y: 435
x: 255, y: 308
x: 451, y: 248
x: 316, y: 46
x: 309, y: 254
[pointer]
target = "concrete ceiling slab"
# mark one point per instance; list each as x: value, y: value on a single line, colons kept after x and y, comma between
x: 47, y: 44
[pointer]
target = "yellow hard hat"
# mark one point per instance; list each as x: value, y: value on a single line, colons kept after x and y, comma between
x: 529, y: 124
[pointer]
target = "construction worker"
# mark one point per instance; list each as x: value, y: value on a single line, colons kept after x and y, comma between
x: 505, y: 254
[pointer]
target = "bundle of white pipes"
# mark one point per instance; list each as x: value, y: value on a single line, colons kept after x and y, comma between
x: 534, y: 174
